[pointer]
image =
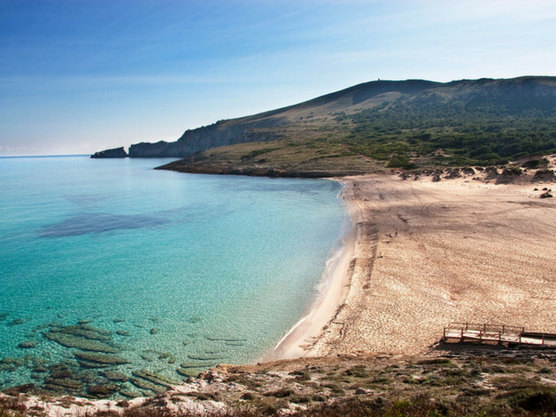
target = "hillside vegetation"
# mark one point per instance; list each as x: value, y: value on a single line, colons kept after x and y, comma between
x: 382, y: 124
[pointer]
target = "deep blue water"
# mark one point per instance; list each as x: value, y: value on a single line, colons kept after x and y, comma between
x: 172, y: 268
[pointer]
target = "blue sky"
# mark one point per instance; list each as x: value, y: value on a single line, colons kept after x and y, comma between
x: 77, y: 76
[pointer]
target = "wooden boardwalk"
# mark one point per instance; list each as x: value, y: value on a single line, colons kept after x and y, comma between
x: 489, y: 333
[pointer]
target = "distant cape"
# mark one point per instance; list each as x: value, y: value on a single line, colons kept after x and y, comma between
x: 111, y: 153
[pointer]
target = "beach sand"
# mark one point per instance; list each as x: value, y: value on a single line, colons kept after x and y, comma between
x: 465, y: 251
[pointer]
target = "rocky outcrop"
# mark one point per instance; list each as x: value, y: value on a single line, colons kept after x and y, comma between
x: 111, y: 153
x: 219, y: 134
x: 341, y: 385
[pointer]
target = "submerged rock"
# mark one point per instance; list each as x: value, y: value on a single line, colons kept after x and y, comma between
x: 76, y: 342
x: 115, y: 376
x: 28, y: 344
x: 64, y: 383
x: 11, y: 364
x: 123, y: 333
x: 93, y: 365
x: 59, y: 371
x: 204, y: 358
x: 204, y: 366
x: 100, y: 358
x: 130, y: 394
x: 20, y: 389
x: 62, y: 374
x: 88, y: 332
x: 190, y: 372
x: 195, y: 319
x: 155, y: 378
x: 146, y: 385
x: 102, y: 390
x: 35, y: 364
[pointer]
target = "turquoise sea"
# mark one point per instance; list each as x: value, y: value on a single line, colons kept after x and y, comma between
x: 111, y: 270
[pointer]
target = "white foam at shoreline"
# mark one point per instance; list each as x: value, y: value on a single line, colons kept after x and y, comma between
x: 324, y: 285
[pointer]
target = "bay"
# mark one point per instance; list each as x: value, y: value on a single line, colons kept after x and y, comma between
x: 172, y: 268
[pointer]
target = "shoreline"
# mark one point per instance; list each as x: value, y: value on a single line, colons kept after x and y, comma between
x: 297, y: 342
x: 423, y: 253
x: 427, y: 253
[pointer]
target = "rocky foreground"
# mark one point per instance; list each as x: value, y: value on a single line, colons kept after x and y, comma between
x: 452, y: 379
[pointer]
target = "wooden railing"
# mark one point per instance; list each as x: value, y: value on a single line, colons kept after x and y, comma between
x: 497, y: 333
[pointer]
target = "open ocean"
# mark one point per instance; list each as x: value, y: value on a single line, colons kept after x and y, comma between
x: 110, y: 269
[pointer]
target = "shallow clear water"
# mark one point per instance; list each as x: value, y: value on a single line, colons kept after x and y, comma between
x: 171, y: 268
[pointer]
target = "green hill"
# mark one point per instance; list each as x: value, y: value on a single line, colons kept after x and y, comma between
x: 375, y: 125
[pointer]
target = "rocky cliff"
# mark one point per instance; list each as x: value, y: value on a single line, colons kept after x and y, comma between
x: 223, y: 133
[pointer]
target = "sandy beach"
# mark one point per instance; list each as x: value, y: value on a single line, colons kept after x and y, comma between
x: 422, y: 254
